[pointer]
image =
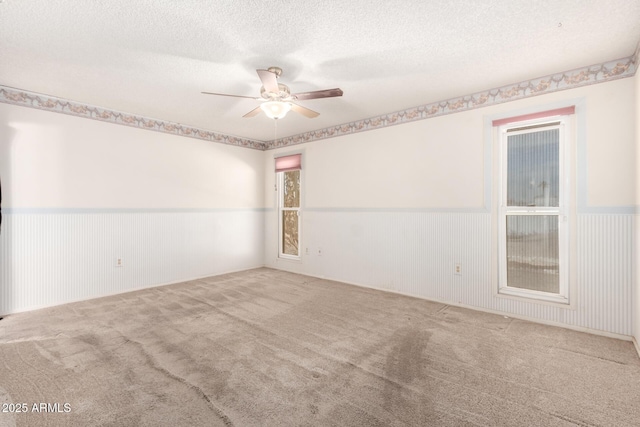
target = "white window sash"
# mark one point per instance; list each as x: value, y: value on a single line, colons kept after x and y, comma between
x: 282, y: 209
x: 561, y: 211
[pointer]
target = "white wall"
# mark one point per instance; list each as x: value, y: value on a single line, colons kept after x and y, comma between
x: 397, y: 208
x: 78, y: 193
x: 637, y: 241
x: 400, y: 167
x: 60, y: 161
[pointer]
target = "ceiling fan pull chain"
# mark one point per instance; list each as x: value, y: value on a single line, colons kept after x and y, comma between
x: 275, y: 130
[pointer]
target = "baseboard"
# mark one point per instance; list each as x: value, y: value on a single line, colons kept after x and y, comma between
x: 482, y: 309
x: 157, y: 285
x: 636, y: 344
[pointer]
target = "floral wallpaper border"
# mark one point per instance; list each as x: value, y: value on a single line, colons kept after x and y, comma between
x: 44, y: 102
x: 600, y: 73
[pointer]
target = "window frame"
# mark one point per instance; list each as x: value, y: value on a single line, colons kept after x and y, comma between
x: 281, y: 209
x: 562, y: 211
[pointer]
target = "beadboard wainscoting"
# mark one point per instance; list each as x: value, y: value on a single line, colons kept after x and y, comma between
x: 415, y: 253
x: 51, y: 258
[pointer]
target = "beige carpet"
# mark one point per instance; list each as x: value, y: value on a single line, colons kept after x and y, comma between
x: 269, y: 348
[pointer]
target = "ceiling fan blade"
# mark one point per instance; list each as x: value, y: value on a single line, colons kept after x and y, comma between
x: 225, y: 94
x: 304, y: 111
x: 269, y: 80
x: 252, y: 113
x: 327, y: 93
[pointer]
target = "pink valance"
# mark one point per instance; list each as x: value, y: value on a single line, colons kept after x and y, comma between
x: 557, y: 112
x: 289, y: 163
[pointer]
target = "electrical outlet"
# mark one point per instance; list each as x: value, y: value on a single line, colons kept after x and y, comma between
x: 458, y: 269
x: 319, y: 252
x: 118, y: 262
x: 306, y: 251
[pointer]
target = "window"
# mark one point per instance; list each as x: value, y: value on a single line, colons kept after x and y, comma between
x: 288, y: 173
x: 533, y: 212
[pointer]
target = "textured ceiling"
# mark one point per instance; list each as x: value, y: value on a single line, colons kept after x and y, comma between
x: 153, y: 58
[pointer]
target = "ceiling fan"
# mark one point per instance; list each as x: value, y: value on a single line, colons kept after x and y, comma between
x: 277, y: 99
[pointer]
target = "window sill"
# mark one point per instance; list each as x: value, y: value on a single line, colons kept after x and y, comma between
x: 289, y: 259
x: 535, y: 297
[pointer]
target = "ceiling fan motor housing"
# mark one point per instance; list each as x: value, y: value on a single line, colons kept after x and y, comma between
x: 283, y: 93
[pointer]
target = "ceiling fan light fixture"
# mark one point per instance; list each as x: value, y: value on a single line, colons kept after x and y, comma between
x: 276, y: 109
